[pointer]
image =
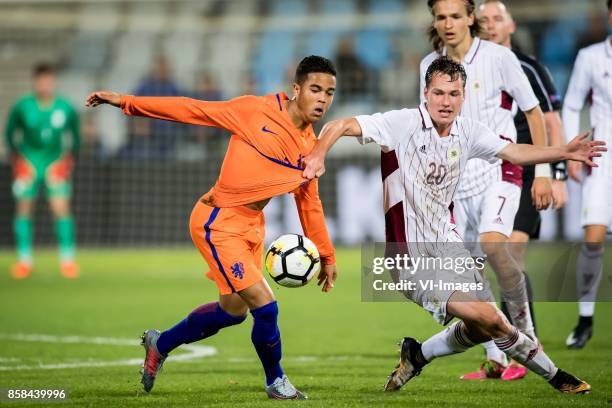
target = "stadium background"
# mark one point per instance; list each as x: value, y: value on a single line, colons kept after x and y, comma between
x: 136, y: 180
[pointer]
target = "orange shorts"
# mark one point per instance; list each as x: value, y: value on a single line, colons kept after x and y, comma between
x: 231, y: 241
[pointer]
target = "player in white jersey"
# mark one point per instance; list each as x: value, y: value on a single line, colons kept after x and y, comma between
x: 488, y: 195
x: 592, y: 76
x: 496, y: 20
x: 431, y: 145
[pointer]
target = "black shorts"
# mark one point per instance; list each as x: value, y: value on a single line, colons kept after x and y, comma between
x: 527, y: 218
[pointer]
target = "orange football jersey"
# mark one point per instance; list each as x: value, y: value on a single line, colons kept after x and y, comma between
x: 264, y: 155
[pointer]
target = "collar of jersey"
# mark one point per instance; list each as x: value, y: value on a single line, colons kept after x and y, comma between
x: 609, y: 46
x: 44, y: 108
x: 428, y: 123
x: 471, y: 54
x: 279, y: 100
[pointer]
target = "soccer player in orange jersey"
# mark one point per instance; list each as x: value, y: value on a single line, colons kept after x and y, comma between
x: 270, y: 137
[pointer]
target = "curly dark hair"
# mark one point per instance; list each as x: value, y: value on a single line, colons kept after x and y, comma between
x: 447, y: 66
x: 313, y: 64
x: 434, y: 38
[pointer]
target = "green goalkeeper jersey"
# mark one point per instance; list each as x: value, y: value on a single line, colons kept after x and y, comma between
x: 42, y: 129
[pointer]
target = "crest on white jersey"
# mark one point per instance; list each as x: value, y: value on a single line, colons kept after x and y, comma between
x: 454, y: 153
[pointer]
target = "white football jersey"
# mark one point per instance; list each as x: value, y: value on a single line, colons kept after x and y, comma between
x: 591, y: 76
x: 592, y: 79
x: 494, y: 80
x: 421, y: 171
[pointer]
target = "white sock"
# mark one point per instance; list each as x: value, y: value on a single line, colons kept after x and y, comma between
x: 518, y: 307
x: 494, y: 353
x: 586, y: 308
x: 451, y: 340
x: 527, y: 352
x: 588, y: 274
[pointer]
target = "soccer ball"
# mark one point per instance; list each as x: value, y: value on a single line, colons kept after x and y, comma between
x: 292, y: 260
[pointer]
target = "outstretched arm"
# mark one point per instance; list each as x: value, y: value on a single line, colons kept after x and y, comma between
x: 541, y: 190
x: 331, y: 132
x: 103, y: 97
x: 579, y: 149
x: 227, y: 114
x: 386, y: 129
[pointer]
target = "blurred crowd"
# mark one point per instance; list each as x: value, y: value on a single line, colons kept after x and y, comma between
x: 377, y: 70
x: 360, y: 87
x: 157, y: 139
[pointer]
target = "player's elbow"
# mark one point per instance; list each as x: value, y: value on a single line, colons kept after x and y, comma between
x: 510, y: 153
x: 331, y: 127
x: 343, y: 127
x: 352, y: 127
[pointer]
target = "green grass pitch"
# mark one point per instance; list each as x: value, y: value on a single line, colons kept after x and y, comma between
x: 337, y: 349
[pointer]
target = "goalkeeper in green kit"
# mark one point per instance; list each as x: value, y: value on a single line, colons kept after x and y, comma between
x: 36, y: 131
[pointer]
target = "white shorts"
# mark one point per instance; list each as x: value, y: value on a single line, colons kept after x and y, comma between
x: 491, y: 211
x: 596, y: 201
x: 434, y: 286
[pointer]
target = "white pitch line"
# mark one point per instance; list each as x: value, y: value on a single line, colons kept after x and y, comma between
x: 9, y: 360
x: 47, y: 338
x: 192, y: 351
x: 297, y: 359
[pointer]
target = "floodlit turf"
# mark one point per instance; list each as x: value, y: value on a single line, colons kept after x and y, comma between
x: 337, y: 349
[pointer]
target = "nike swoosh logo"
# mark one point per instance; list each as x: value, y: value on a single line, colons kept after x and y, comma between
x: 265, y: 129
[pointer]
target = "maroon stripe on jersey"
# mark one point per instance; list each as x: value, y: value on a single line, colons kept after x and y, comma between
x: 388, y: 163
x: 395, y: 228
x: 506, y: 100
x: 512, y: 173
x: 395, y: 220
x: 451, y: 207
x: 395, y: 232
x: 422, y: 118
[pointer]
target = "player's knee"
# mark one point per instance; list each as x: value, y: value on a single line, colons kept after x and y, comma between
x: 595, y: 234
x: 200, y: 317
x: 60, y: 208
x: 24, y: 213
x: 497, y: 326
x: 593, y: 248
x: 495, y: 251
x: 230, y: 319
x: 492, y: 322
x: 24, y: 208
